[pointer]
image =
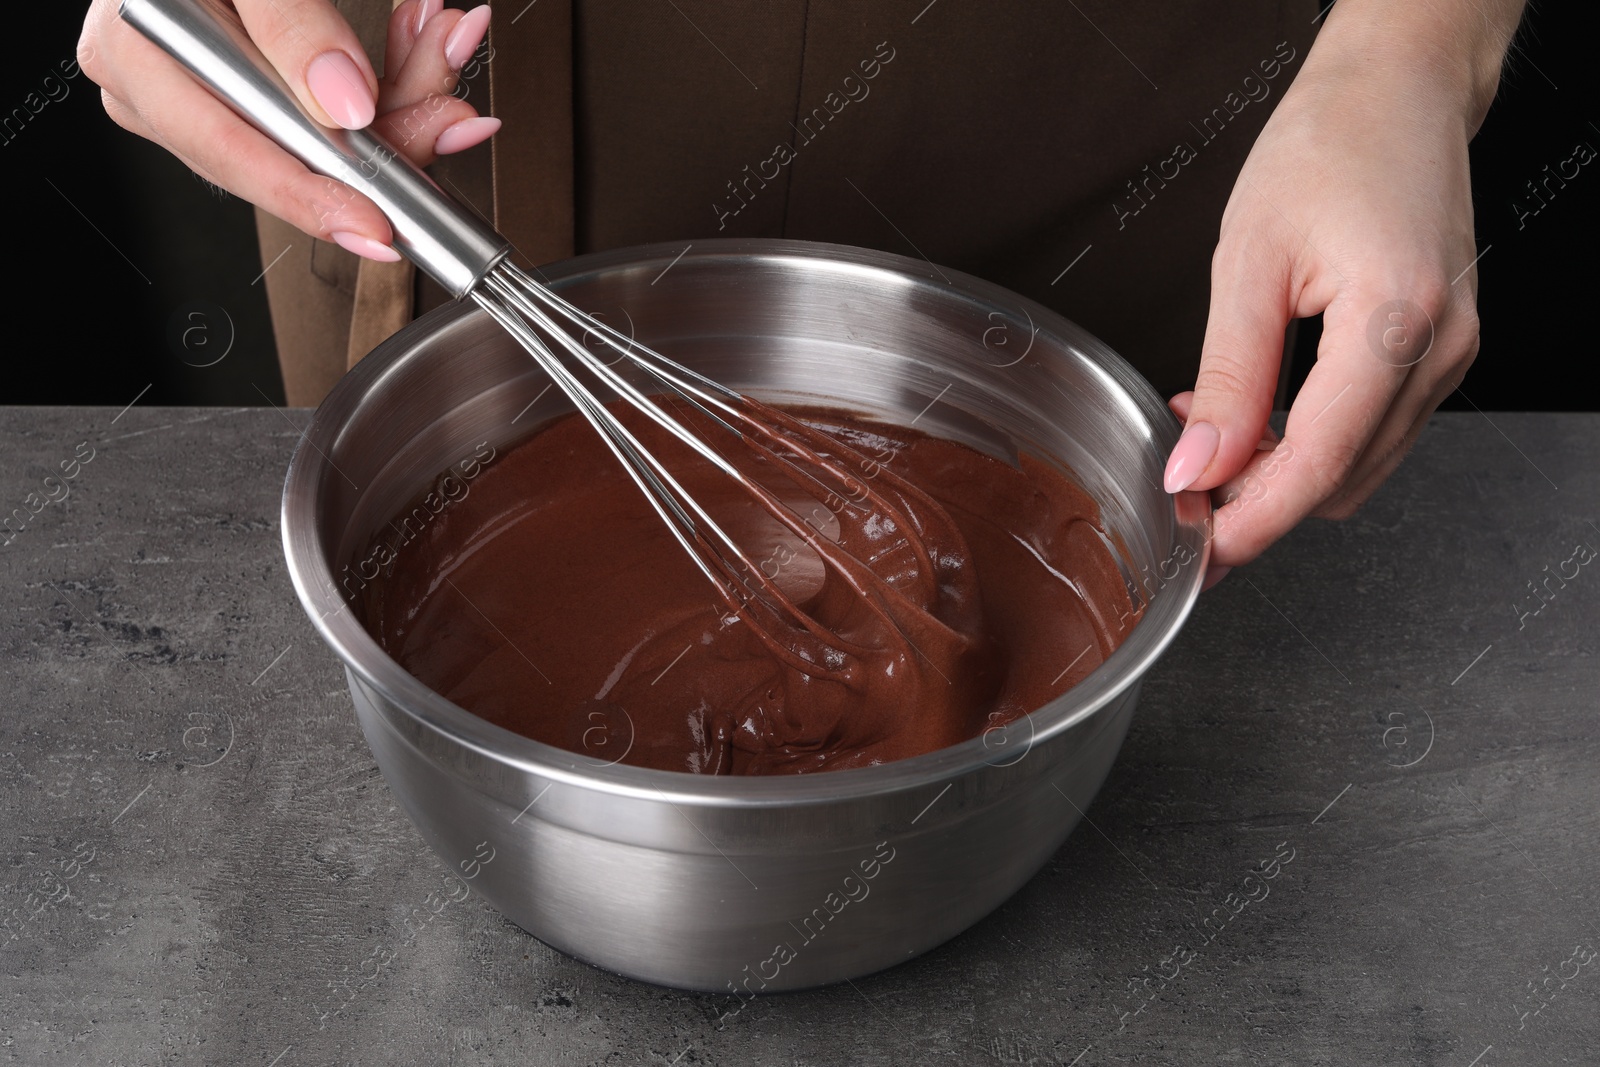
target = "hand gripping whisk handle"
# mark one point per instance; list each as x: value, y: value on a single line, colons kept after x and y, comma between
x: 433, y: 230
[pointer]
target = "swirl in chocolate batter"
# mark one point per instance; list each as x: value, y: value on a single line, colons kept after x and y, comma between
x: 552, y: 599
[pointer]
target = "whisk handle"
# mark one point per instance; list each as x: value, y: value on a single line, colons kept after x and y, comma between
x: 430, y: 228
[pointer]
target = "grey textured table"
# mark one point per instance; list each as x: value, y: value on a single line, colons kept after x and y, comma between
x: 203, y: 865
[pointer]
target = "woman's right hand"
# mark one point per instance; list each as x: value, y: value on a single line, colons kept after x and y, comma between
x: 317, y: 53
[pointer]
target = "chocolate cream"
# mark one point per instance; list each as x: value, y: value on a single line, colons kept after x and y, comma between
x: 545, y: 595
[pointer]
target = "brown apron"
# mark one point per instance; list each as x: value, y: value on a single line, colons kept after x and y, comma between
x: 1080, y: 154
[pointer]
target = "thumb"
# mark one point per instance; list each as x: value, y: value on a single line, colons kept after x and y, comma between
x: 1239, y: 362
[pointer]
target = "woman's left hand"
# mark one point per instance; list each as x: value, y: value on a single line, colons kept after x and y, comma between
x: 1355, y: 202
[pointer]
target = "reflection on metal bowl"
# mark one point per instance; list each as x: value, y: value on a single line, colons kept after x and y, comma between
x: 750, y: 885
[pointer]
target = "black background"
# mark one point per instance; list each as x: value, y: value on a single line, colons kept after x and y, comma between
x: 115, y: 244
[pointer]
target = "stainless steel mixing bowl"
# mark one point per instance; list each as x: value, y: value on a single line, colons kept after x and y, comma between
x: 750, y: 885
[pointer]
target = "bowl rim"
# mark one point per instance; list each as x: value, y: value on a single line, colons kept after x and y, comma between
x: 1118, y: 673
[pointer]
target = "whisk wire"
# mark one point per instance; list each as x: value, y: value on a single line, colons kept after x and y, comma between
x: 717, y: 554
x: 515, y: 290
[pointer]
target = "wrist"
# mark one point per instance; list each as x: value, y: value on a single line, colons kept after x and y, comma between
x: 1452, y: 49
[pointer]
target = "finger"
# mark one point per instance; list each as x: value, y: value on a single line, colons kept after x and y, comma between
x: 1182, y: 403
x: 1415, y: 404
x: 1382, y: 456
x: 438, y: 126
x: 1250, y: 307
x: 319, y: 55
x: 172, y: 109
x: 467, y: 35
x: 1338, y: 410
x: 422, y: 119
x: 405, y: 25
x: 426, y: 71
x: 102, y: 15
x: 145, y: 92
x: 1249, y: 474
x: 129, y: 120
x: 1238, y: 496
x: 125, y: 116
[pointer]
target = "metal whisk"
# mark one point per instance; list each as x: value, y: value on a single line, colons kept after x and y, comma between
x: 879, y: 575
x: 889, y: 534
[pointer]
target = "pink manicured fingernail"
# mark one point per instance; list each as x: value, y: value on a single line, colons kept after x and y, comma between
x: 365, y: 247
x: 426, y: 9
x: 1191, y: 455
x: 466, y: 37
x: 341, y: 89
x: 1214, y: 574
x: 465, y: 134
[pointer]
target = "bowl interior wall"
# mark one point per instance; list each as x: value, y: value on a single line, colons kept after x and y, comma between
x: 864, y: 340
